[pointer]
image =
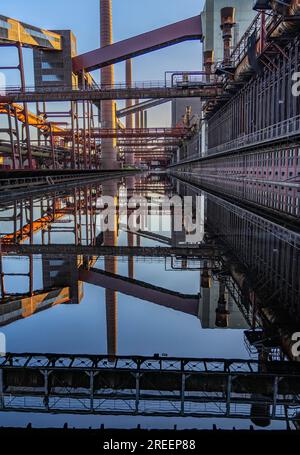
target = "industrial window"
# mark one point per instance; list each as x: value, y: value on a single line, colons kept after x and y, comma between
x: 4, y: 24
x: 52, y: 77
x: 50, y: 65
x: 41, y: 35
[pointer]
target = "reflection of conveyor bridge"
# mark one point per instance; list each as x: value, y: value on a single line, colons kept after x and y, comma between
x: 139, y: 289
x: 242, y: 389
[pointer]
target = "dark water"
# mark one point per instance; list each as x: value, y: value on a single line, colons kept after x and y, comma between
x: 219, y: 305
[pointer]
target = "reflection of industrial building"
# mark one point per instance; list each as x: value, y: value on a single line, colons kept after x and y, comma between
x: 262, y: 263
x: 62, y: 271
x: 228, y: 296
x: 241, y: 286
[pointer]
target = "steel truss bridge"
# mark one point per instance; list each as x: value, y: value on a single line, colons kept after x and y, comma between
x: 153, y: 90
x: 144, y: 386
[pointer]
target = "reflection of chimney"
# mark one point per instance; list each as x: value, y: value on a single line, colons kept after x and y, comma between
x: 110, y: 265
x: 227, y: 24
x: 222, y: 312
x: 208, y: 63
x: 129, y: 118
x: 108, y: 114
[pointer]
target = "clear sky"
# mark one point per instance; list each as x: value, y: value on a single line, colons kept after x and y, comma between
x: 130, y: 17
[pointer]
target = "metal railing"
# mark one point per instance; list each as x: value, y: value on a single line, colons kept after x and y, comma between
x: 282, y: 130
x: 176, y: 82
x: 196, y: 387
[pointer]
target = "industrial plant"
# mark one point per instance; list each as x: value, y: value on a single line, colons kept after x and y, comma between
x: 150, y: 230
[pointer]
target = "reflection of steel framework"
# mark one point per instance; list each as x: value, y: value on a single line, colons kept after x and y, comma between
x: 205, y: 251
x: 149, y: 386
x: 133, y: 133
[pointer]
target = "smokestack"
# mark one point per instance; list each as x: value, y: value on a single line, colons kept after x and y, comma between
x: 129, y: 118
x: 227, y: 24
x: 209, y: 58
x: 108, y: 114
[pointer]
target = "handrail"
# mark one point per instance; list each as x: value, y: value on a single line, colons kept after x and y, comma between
x: 274, y: 132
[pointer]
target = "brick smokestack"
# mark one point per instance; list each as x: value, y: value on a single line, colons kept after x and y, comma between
x: 129, y: 118
x: 108, y: 114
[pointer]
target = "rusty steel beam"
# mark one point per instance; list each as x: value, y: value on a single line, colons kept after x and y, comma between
x: 114, y: 92
x: 34, y: 120
x: 188, y: 29
x: 149, y: 143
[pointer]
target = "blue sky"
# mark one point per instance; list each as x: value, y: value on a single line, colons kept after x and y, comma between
x: 130, y: 17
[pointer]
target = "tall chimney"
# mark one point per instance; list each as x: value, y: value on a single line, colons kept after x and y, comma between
x: 108, y: 114
x: 129, y: 118
x: 227, y: 24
